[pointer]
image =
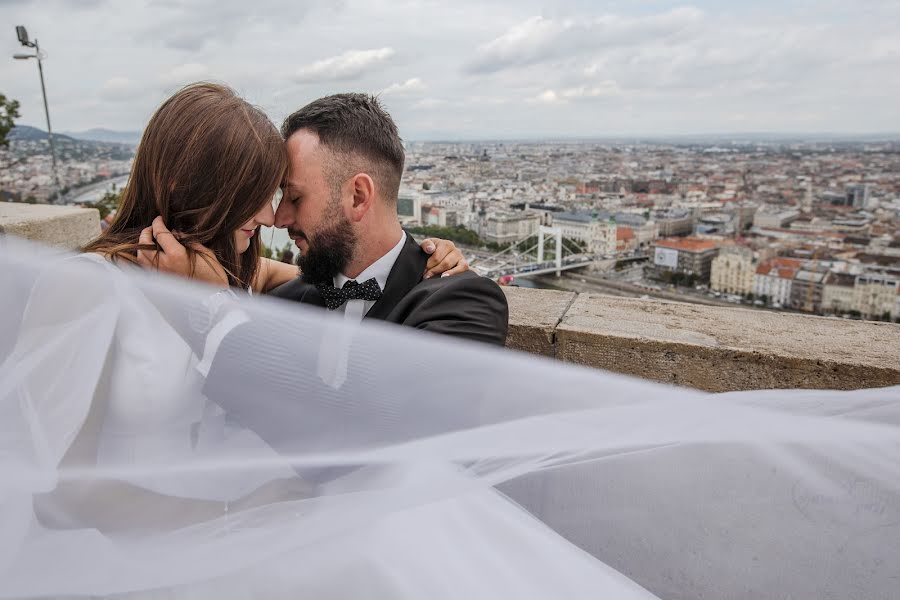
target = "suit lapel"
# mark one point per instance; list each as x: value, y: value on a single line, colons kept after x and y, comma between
x: 405, y: 275
x: 311, y: 294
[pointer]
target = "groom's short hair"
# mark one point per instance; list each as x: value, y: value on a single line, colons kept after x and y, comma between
x: 361, y: 136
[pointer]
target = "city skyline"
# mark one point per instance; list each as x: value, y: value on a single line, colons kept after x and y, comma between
x: 517, y: 71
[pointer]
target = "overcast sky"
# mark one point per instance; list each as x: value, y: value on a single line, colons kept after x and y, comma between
x: 465, y: 69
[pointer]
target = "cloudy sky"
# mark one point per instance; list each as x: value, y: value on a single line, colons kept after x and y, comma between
x: 487, y: 69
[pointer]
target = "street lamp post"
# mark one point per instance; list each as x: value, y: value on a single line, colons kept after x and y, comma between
x: 23, y: 39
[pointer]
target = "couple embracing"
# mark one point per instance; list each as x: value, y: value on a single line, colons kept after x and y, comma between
x: 202, y: 185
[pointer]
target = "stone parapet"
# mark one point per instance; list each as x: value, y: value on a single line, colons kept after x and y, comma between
x: 711, y: 348
x: 65, y: 227
x: 707, y: 347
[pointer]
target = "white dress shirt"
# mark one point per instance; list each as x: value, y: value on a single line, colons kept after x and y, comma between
x: 355, y: 310
x: 335, y: 349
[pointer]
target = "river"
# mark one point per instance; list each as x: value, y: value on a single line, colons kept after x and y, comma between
x: 95, y: 191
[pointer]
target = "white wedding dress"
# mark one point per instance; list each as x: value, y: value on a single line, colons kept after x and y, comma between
x: 464, y: 472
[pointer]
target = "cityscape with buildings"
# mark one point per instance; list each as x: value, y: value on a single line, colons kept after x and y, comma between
x: 810, y: 226
x: 26, y: 167
x: 805, y: 226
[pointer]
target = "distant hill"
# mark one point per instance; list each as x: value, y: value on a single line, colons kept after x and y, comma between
x: 33, y: 134
x: 107, y: 135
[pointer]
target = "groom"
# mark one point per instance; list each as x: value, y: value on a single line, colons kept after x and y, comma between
x: 340, y: 208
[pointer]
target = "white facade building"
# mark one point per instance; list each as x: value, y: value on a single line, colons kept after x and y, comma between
x: 733, y: 271
x: 599, y: 236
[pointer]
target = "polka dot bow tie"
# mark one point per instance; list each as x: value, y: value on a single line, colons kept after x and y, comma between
x: 335, y: 297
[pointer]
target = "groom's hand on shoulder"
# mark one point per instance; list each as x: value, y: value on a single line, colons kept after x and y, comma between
x: 161, y: 251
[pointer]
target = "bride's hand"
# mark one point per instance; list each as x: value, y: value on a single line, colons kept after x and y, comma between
x: 446, y: 259
x: 173, y: 257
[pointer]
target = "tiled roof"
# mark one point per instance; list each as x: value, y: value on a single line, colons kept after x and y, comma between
x: 624, y: 233
x: 687, y: 244
x: 784, y: 268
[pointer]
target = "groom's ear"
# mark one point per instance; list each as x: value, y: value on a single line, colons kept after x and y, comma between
x: 363, y: 189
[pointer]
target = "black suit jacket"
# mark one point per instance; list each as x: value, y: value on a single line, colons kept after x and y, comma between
x: 465, y: 305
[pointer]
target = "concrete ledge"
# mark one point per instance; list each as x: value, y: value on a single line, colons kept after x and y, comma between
x: 61, y: 226
x: 533, y: 318
x: 710, y: 348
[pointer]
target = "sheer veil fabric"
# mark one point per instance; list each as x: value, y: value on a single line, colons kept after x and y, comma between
x: 432, y: 469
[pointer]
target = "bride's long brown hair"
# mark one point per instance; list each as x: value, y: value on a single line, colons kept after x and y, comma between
x: 207, y: 163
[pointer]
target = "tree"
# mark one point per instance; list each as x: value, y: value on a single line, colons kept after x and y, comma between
x: 458, y: 234
x: 9, y: 111
x: 108, y: 203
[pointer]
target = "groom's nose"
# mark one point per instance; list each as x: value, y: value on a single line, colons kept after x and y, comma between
x: 284, y: 216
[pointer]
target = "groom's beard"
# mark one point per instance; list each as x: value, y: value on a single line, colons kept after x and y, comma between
x: 329, y: 250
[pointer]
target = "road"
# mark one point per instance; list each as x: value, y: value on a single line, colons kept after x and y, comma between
x: 583, y: 283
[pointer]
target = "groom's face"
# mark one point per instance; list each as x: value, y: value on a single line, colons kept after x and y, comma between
x: 312, y: 210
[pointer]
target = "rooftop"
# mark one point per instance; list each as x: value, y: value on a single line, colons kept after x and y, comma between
x: 687, y: 244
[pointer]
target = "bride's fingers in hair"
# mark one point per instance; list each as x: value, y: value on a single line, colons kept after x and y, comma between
x: 147, y: 258
x: 165, y: 238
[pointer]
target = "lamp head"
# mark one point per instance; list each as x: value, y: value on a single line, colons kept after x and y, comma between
x: 22, y: 34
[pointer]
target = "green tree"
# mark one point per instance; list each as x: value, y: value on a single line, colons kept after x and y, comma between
x: 9, y: 111
x: 458, y: 234
x: 108, y: 203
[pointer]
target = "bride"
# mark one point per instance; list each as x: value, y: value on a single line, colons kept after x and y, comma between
x: 463, y: 471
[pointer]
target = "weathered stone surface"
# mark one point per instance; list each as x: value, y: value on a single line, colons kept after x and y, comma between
x: 722, y: 349
x: 62, y: 226
x: 533, y: 317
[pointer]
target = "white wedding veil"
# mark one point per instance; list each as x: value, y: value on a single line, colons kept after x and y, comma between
x: 157, y: 440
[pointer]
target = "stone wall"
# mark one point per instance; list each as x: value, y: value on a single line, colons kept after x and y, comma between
x: 65, y: 227
x: 707, y: 347
x: 711, y: 348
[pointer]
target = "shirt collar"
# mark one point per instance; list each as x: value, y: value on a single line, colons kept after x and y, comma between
x: 380, y: 269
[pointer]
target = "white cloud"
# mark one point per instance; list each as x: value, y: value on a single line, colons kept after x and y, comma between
x: 185, y: 73
x: 426, y: 103
x: 349, y: 65
x: 546, y: 97
x: 523, y: 43
x: 119, y: 88
x: 410, y: 86
x: 539, y: 40
x: 605, y: 89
